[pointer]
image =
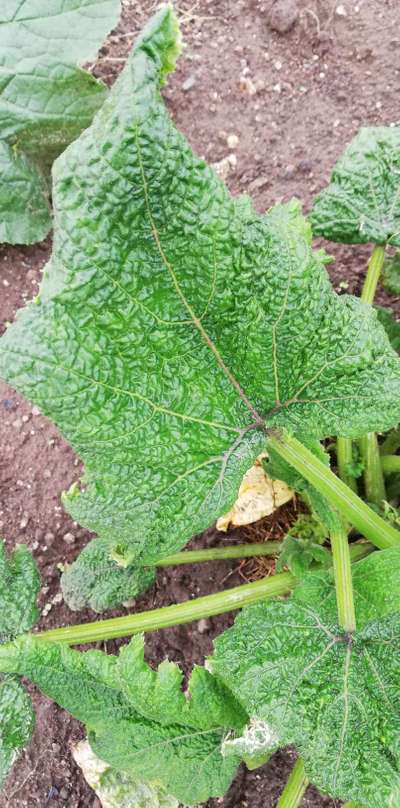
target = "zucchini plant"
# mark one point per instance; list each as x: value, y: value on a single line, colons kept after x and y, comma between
x: 177, y: 335
x: 45, y: 100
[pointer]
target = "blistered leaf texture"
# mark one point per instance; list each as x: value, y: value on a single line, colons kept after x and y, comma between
x: 97, y: 581
x: 16, y: 722
x: 174, y: 323
x: 334, y: 696
x: 19, y: 588
x: 362, y: 200
x: 391, y: 273
x: 139, y: 720
x: 27, y: 210
x: 391, y: 324
x: 116, y: 789
x: 45, y: 100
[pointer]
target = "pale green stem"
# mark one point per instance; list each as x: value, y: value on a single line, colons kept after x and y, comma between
x: 207, y: 606
x: 390, y: 464
x: 375, y: 265
x: 351, y: 804
x: 344, y: 454
x: 295, y: 787
x: 268, y: 548
x: 391, y: 443
x: 352, y: 508
x: 373, y: 476
x: 343, y: 580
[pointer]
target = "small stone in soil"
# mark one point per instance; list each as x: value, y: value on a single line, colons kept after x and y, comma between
x: 283, y: 15
x: 203, y: 626
x: 69, y: 538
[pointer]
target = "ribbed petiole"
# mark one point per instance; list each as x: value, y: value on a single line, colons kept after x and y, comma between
x: 343, y: 580
x: 344, y: 455
x: 390, y: 464
x: 268, y: 548
x: 295, y: 787
x: 352, y: 508
x: 187, y: 612
x: 373, y: 476
x: 374, y: 270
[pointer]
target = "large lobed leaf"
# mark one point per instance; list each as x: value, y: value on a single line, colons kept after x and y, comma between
x: 19, y: 586
x: 139, y: 720
x: 336, y: 697
x: 362, y: 200
x: 174, y: 324
x: 45, y: 100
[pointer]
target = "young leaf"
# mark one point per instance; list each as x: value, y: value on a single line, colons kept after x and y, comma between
x: 174, y: 323
x: 139, y: 720
x: 362, y: 200
x: 19, y: 586
x: 45, y: 100
x: 97, y: 581
x: 334, y: 696
x: 116, y: 789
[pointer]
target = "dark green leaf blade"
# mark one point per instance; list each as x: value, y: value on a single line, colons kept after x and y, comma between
x: 45, y: 100
x: 16, y: 722
x: 336, y: 698
x: 362, y: 201
x: 97, y: 581
x: 391, y: 273
x: 178, y: 321
x: 19, y: 588
x: 24, y: 199
x: 139, y: 720
x: 70, y: 30
x: 391, y: 325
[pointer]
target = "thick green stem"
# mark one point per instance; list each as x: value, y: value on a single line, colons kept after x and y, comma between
x: 220, y: 602
x: 390, y: 464
x: 352, y: 508
x: 343, y: 580
x: 374, y: 270
x: 351, y: 804
x: 391, y: 443
x: 373, y: 476
x: 344, y: 454
x: 268, y: 548
x: 295, y: 787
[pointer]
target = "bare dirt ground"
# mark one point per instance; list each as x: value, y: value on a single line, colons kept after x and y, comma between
x: 278, y: 108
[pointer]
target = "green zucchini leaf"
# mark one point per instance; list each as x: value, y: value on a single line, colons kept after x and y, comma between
x: 19, y: 587
x: 362, y: 200
x: 335, y: 697
x: 25, y: 213
x: 391, y: 273
x: 387, y: 318
x: 45, y: 100
x: 95, y: 580
x: 16, y: 722
x: 174, y: 324
x: 139, y: 720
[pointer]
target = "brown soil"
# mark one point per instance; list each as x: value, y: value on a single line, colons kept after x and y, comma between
x: 293, y: 100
